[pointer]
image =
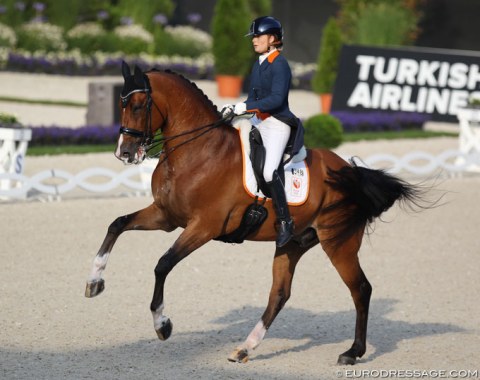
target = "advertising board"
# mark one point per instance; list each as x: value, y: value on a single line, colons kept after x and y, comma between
x: 423, y: 80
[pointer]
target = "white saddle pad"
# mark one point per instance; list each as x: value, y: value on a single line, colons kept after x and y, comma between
x: 297, y: 176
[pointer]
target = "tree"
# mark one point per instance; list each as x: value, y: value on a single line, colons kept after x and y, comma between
x: 328, y: 56
x: 231, y: 51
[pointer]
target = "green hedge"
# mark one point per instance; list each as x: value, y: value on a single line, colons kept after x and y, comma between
x: 323, y: 131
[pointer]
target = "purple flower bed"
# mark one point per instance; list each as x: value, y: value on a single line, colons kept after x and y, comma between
x: 380, y: 121
x: 113, y: 66
x: 74, y: 136
x: 351, y: 122
x: 22, y: 63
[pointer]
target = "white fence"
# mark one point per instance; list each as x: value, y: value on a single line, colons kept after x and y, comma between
x: 449, y: 162
x: 53, y: 183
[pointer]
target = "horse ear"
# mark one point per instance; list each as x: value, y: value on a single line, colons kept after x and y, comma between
x: 138, y: 76
x: 125, y: 70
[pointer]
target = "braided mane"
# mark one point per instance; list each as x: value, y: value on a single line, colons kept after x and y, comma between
x: 188, y: 81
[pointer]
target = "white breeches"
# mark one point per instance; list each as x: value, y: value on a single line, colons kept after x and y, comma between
x: 275, y: 135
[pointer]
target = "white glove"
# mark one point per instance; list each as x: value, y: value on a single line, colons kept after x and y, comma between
x: 240, y: 108
x: 227, y: 110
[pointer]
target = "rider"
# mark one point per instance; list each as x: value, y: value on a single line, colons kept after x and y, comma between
x: 268, y: 99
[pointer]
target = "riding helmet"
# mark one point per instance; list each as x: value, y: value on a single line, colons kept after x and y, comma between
x: 266, y: 25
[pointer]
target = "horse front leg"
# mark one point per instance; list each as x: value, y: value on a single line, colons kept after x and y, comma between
x: 149, y: 218
x: 284, y: 263
x: 193, y: 237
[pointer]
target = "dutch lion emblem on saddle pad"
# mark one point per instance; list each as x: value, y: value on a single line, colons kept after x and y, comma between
x: 297, y: 177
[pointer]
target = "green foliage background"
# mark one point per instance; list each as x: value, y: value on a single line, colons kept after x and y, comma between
x: 328, y: 56
x: 231, y: 50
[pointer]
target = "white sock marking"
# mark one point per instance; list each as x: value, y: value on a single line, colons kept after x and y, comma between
x: 158, y: 317
x: 255, y: 337
x: 99, y: 264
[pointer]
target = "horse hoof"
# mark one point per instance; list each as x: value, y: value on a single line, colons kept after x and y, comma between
x: 94, y: 288
x: 345, y: 360
x: 165, y: 330
x: 240, y: 355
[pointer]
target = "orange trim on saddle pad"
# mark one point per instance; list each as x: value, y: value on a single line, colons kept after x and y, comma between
x: 297, y: 177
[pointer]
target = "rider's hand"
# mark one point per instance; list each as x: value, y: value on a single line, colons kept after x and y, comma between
x: 227, y: 110
x: 240, y: 108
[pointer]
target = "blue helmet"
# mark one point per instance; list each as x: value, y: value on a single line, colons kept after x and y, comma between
x: 266, y: 25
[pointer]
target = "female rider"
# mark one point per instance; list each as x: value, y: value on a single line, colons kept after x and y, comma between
x: 268, y: 99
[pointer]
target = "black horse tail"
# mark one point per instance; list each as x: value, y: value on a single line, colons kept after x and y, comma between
x: 367, y: 193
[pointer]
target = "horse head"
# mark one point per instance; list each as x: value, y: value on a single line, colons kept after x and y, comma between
x: 137, y: 128
x: 163, y: 100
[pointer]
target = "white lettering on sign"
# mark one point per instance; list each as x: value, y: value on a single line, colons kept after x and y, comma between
x: 382, y: 74
x: 458, y: 76
x: 407, y: 71
x: 473, y: 77
x: 426, y: 74
x: 365, y: 62
x: 404, y: 84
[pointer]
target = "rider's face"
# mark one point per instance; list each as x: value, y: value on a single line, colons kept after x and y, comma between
x: 262, y: 42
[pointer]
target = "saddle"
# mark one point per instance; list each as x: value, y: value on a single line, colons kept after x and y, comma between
x: 256, y: 213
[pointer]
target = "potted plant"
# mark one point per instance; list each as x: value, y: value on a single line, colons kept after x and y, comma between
x: 327, y: 63
x: 231, y: 51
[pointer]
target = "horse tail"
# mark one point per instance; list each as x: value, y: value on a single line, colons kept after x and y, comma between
x: 366, y: 194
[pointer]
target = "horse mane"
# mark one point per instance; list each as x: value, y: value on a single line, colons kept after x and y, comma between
x: 189, y: 82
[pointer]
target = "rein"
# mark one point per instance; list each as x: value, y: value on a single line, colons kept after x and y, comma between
x: 149, y: 141
x: 162, y: 140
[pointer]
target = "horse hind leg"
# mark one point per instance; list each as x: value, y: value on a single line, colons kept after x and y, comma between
x: 345, y: 261
x: 149, y: 218
x: 284, y: 263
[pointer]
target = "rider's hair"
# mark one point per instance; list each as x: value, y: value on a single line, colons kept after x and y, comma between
x: 278, y: 44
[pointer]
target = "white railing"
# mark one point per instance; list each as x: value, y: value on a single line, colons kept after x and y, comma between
x: 55, y: 183
x: 450, y: 162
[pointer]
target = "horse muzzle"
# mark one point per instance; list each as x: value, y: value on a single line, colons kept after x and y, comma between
x: 130, y: 152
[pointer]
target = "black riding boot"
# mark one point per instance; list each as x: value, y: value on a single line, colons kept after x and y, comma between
x: 284, y: 222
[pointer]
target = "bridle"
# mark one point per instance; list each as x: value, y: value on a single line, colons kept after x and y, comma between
x: 146, y: 135
x: 148, y: 141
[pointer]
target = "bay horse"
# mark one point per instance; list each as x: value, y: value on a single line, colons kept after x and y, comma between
x: 203, y: 152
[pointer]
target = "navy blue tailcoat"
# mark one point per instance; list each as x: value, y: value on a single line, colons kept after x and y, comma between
x: 268, y: 95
